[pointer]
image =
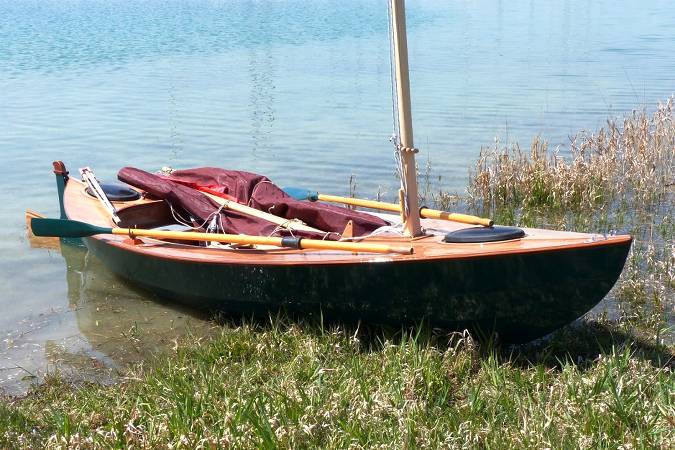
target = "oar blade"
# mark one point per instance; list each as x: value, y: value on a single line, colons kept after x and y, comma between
x: 65, y: 228
x: 302, y: 194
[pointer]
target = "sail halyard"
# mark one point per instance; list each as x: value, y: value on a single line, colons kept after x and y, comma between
x: 405, y: 146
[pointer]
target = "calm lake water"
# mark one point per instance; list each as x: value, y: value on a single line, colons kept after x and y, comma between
x: 297, y: 90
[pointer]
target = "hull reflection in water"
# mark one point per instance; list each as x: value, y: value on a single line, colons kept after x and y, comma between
x: 119, y: 322
x: 103, y: 328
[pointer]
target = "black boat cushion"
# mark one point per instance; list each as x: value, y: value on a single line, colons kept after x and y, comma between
x: 117, y: 192
x: 484, y: 234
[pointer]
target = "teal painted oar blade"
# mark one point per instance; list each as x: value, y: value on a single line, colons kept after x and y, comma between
x: 65, y: 228
x: 302, y: 194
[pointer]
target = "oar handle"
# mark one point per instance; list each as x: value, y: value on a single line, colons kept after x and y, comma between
x: 301, y: 194
x: 455, y: 217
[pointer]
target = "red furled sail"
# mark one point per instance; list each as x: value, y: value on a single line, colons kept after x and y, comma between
x: 253, y: 190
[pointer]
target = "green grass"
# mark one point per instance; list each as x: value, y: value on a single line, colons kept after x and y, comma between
x: 606, y: 382
x: 292, y: 385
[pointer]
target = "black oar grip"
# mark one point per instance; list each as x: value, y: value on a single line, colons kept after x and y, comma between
x: 291, y: 242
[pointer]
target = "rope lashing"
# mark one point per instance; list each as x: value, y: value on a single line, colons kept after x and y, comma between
x: 408, y: 149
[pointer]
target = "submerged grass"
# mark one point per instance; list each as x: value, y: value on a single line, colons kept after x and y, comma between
x: 606, y: 382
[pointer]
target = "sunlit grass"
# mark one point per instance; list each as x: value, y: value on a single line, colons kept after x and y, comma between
x: 298, y: 385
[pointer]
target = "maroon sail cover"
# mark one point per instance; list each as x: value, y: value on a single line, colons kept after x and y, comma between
x: 253, y: 190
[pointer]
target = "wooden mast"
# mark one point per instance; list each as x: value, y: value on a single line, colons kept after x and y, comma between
x: 411, y: 222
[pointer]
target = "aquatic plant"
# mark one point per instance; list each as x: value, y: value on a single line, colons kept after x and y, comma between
x: 632, y: 160
x: 620, y: 178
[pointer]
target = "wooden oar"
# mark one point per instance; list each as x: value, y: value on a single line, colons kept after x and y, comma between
x: 73, y: 228
x: 313, y: 196
x: 230, y: 202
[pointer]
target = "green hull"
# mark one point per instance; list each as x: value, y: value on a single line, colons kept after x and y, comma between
x: 520, y: 296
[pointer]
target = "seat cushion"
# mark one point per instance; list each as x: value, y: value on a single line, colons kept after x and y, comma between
x: 484, y: 234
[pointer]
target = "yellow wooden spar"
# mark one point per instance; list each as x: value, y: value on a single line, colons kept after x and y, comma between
x: 424, y: 212
x: 288, y: 224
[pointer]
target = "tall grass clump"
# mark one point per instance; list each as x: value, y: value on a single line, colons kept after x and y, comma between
x: 630, y: 160
x: 620, y: 178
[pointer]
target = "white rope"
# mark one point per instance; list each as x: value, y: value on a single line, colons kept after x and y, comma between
x: 279, y: 228
x: 177, y: 217
x: 255, y: 188
x: 288, y: 224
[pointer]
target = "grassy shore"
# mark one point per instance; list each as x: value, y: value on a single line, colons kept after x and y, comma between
x: 296, y: 386
x: 606, y: 382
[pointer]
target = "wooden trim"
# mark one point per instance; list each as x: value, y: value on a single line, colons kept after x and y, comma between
x: 258, y: 257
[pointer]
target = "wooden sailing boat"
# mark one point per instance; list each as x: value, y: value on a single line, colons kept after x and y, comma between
x: 521, y: 284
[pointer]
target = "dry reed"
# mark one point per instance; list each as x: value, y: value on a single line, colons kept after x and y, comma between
x: 620, y: 178
x: 634, y: 160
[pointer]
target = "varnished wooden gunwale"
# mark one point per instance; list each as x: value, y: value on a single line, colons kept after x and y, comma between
x: 80, y: 206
